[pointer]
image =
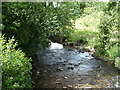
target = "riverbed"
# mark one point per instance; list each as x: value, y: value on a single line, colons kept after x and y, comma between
x: 59, y: 67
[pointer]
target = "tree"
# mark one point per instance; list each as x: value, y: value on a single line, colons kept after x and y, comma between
x: 33, y: 23
x: 109, y: 43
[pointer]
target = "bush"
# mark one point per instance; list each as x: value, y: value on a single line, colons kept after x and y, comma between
x: 15, y: 66
x: 113, y: 52
x: 117, y: 62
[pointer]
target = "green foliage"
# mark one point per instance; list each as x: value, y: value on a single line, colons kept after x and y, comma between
x: 113, y: 52
x: 33, y: 23
x: 108, y: 35
x: 78, y: 35
x: 94, y: 7
x: 117, y: 62
x: 108, y: 29
x: 15, y: 66
x: 99, y: 27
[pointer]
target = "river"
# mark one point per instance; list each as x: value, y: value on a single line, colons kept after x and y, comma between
x: 59, y: 67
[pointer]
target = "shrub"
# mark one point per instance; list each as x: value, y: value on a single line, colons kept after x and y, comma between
x: 15, y: 66
x: 117, y: 62
x: 113, y: 52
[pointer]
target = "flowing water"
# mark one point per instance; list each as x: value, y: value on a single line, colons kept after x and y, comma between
x: 59, y: 67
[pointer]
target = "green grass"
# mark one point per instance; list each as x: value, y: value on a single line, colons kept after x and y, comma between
x: 89, y: 22
x: 85, y: 35
x: 86, y: 28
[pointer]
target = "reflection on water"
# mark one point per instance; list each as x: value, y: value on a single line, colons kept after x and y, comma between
x: 79, y: 68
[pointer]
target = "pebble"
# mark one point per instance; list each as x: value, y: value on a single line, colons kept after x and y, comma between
x: 64, y: 87
x: 69, y: 86
x: 38, y: 73
x: 65, y: 77
x: 58, y: 82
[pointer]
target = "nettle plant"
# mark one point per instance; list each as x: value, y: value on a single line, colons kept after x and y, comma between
x: 15, y: 66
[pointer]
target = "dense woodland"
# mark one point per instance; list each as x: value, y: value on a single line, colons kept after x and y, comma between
x: 29, y: 26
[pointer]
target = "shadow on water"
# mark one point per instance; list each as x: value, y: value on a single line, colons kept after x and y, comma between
x: 58, y: 67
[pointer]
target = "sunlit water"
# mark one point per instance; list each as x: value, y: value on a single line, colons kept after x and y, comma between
x: 55, y: 46
x: 86, y: 69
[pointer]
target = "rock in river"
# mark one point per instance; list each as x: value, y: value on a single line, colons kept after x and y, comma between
x: 69, y: 86
x: 64, y: 87
x: 76, y: 64
x: 70, y: 67
x: 60, y: 69
x: 65, y: 77
x: 64, y: 64
x: 58, y: 82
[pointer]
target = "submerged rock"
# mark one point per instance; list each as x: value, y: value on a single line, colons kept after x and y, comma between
x: 64, y: 64
x: 71, y: 63
x: 80, y: 63
x: 60, y: 69
x: 70, y: 67
x: 76, y: 64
